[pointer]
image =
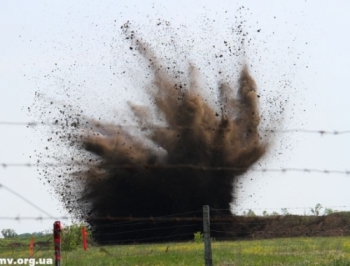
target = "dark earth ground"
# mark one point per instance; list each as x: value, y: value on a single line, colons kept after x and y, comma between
x: 336, y: 224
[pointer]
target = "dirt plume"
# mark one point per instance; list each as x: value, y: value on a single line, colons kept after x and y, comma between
x: 183, y: 153
x: 176, y: 168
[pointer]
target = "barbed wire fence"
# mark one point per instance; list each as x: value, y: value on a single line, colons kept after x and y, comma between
x: 241, y: 228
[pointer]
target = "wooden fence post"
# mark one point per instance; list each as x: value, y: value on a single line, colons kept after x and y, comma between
x: 206, y: 232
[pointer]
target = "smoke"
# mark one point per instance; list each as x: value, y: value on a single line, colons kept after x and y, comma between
x: 182, y: 154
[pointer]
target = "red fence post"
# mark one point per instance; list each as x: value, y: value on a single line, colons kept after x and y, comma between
x: 31, y: 247
x: 57, y: 228
x: 84, y: 234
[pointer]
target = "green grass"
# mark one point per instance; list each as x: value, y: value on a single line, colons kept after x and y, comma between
x: 285, y: 251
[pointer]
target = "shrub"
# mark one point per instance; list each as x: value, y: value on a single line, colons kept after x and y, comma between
x: 285, y: 211
x: 8, y: 233
x: 328, y: 211
x: 316, y: 211
x: 71, y: 237
x: 198, y: 237
x: 250, y: 213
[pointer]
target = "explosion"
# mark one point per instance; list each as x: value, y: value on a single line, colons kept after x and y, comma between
x: 182, y: 155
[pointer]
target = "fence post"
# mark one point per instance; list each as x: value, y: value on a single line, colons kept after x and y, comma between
x: 57, y: 228
x: 84, y: 234
x: 31, y: 247
x: 206, y: 232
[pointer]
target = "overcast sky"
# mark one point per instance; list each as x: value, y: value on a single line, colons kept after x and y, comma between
x: 304, y: 44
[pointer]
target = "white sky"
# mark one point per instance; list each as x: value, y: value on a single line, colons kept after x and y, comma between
x: 313, y: 35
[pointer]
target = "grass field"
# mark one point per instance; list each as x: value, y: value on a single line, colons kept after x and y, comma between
x: 285, y: 251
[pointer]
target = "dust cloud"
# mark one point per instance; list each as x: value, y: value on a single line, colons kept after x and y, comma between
x: 182, y: 154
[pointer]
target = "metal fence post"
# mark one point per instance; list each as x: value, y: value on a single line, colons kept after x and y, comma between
x: 57, y: 228
x: 206, y: 232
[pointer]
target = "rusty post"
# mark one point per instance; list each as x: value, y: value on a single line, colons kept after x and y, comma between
x: 57, y: 229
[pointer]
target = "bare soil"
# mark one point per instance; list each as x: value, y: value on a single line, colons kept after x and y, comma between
x: 336, y: 224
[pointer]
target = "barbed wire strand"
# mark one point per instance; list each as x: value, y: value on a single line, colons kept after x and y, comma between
x: 148, y: 229
x: 147, y: 238
x: 190, y: 166
x: 126, y: 223
x: 119, y: 255
x: 173, y: 247
x: 232, y: 233
x: 254, y: 235
x: 233, y: 218
x: 296, y: 130
x: 26, y: 200
x: 38, y: 218
x: 287, y: 208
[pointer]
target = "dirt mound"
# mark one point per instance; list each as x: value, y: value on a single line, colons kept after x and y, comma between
x: 42, y: 244
x: 337, y: 224
x: 16, y: 245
